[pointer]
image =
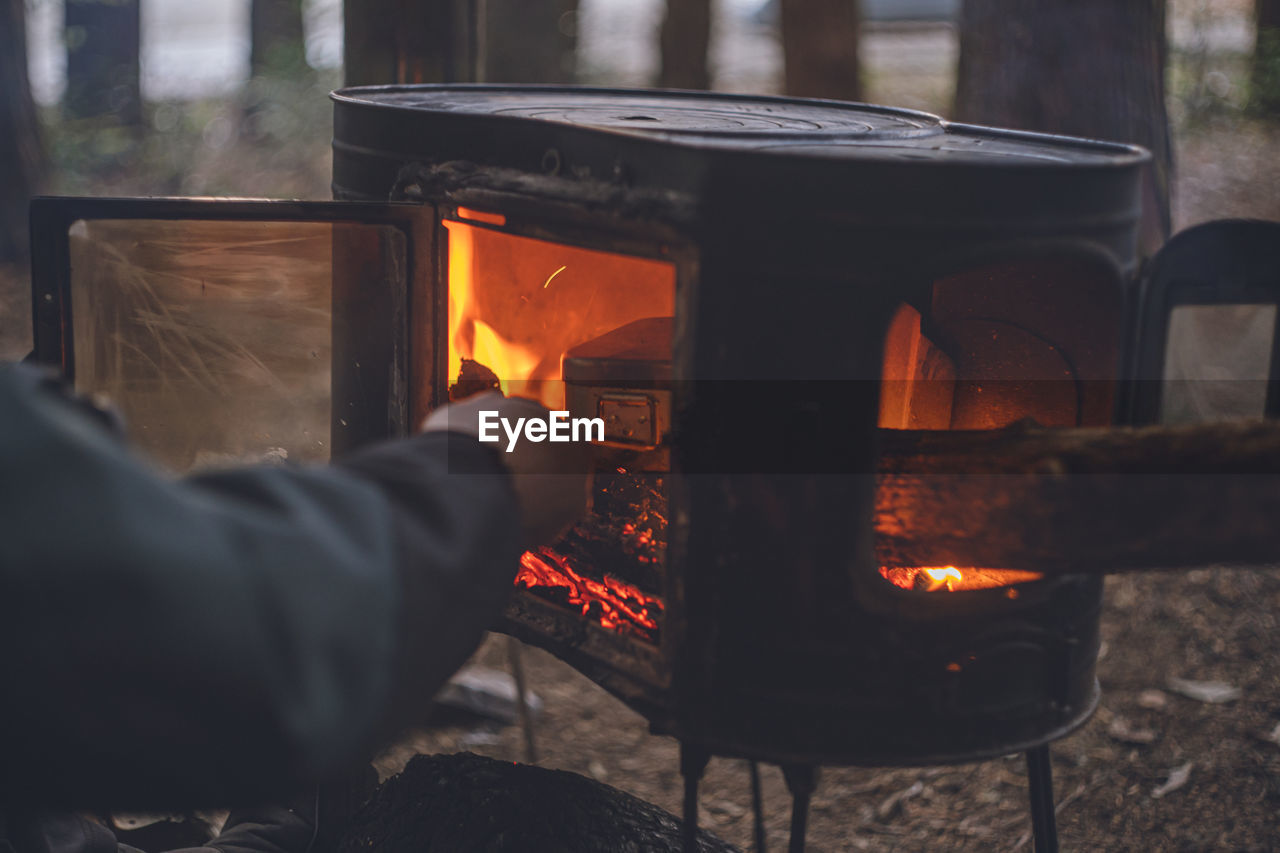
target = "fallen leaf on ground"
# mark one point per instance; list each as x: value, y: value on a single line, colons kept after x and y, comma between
x: 893, y: 801
x: 726, y: 807
x: 1177, y: 778
x: 1153, y: 700
x: 1122, y: 730
x: 1214, y: 692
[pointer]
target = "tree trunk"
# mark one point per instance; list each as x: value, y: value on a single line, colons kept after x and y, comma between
x: 1080, y: 500
x: 276, y: 44
x: 1091, y: 68
x: 684, y: 39
x: 1265, y: 79
x: 21, y: 154
x: 103, y: 39
x: 411, y: 41
x: 530, y: 41
x: 820, y: 49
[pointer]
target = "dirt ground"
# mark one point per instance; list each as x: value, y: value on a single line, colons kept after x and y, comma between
x: 1212, y: 626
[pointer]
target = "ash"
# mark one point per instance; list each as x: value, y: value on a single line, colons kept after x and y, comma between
x: 625, y: 534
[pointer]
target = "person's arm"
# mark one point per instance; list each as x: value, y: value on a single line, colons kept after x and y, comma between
x: 228, y: 635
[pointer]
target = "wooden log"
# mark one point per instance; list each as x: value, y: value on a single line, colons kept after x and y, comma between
x: 1080, y: 500
x: 451, y: 803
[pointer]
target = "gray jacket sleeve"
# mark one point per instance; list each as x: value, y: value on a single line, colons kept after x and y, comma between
x: 224, y: 637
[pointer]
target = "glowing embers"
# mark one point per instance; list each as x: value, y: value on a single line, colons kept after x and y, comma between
x: 516, y: 307
x: 605, y: 562
x: 612, y: 603
x: 951, y: 579
x: 627, y: 526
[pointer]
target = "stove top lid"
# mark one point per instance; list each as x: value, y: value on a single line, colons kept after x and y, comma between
x: 796, y: 127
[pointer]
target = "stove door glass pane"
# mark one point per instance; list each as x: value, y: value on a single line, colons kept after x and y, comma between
x: 213, y: 338
x: 1217, y: 363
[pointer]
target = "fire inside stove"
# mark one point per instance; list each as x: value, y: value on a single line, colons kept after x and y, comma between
x: 586, y: 331
x: 952, y: 579
x: 1029, y: 341
x: 611, y: 602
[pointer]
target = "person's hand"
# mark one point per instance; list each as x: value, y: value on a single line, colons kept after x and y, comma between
x: 551, y: 479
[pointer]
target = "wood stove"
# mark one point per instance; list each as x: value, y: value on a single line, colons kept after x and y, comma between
x: 756, y: 295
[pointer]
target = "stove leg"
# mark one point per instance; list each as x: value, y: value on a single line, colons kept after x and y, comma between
x: 522, y: 695
x: 802, y: 779
x: 693, y: 763
x: 757, y: 805
x: 1043, y: 818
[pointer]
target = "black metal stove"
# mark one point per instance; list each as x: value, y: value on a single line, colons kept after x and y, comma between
x: 747, y: 290
x: 795, y: 231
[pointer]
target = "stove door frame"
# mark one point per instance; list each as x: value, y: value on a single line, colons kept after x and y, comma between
x: 405, y: 329
x: 369, y: 402
x: 640, y: 673
x: 1224, y: 262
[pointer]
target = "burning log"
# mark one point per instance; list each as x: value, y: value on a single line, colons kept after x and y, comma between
x: 950, y: 578
x: 474, y: 378
x: 607, y: 561
x: 1080, y: 500
x: 610, y: 602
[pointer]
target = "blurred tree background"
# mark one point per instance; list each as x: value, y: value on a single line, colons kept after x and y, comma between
x: 103, y: 40
x: 229, y: 97
x: 1265, y: 79
x: 1021, y: 66
x: 22, y: 165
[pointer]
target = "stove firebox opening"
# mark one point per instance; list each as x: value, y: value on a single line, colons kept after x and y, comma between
x: 1034, y: 341
x: 585, y: 331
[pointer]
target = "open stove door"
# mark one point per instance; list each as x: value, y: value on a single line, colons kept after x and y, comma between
x: 1207, y: 330
x: 227, y: 331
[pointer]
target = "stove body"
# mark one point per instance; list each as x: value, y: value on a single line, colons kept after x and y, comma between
x: 813, y: 247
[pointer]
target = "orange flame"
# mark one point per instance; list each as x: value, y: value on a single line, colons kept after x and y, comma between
x: 617, y: 605
x: 952, y: 579
x: 946, y: 576
x: 471, y: 337
x: 517, y: 304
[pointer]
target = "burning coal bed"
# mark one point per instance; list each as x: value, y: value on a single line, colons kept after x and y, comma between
x: 603, y: 564
x: 627, y: 531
